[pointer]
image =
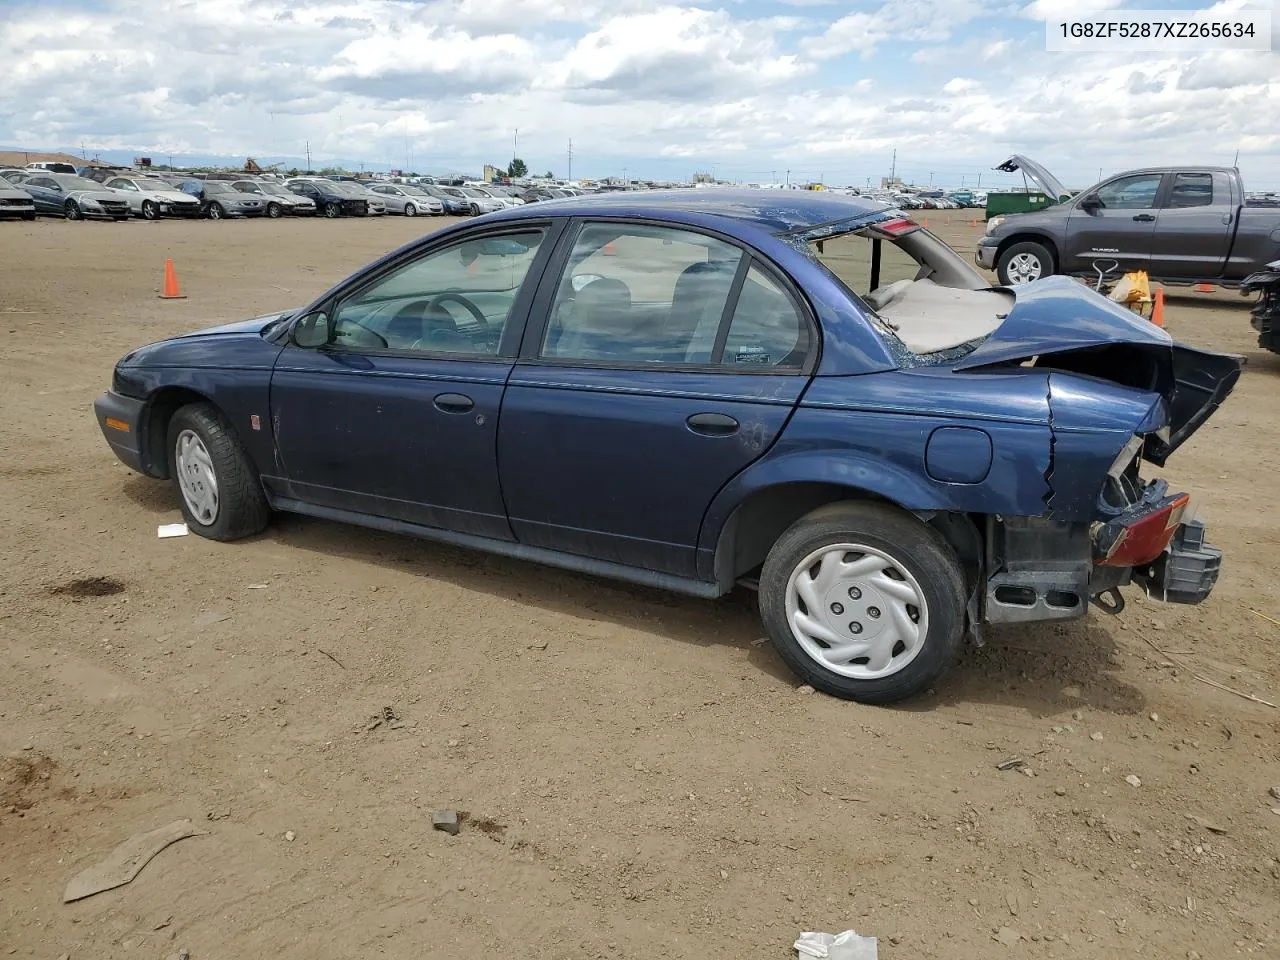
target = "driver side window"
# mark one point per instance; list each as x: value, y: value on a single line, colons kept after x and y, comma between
x: 1131, y: 193
x: 455, y: 300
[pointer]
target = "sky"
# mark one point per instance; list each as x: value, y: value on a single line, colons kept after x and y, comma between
x: 750, y: 90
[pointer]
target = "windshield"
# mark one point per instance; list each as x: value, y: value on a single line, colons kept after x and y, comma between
x: 217, y: 186
x: 472, y: 192
x: 351, y: 189
x: 155, y: 186
x: 68, y: 182
x: 414, y: 191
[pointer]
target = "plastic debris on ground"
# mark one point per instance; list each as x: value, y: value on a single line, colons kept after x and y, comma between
x: 835, y: 946
x: 166, y: 530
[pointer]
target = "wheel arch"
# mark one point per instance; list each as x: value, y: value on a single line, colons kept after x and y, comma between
x: 162, y: 404
x: 1027, y: 236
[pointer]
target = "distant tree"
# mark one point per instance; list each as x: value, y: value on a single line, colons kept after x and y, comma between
x: 293, y: 172
x: 327, y: 171
x: 549, y: 175
x: 518, y: 168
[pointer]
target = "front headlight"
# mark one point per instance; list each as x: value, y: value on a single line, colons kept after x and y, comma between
x: 90, y: 204
x: 993, y: 223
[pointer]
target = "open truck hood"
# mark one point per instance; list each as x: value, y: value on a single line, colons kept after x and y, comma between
x: 1059, y: 324
x: 1049, y: 185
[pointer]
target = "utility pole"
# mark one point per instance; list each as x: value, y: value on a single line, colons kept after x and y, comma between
x: 85, y: 156
x: 626, y: 184
x: 570, y: 177
x: 1235, y: 163
x: 515, y: 145
x: 308, y: 156
x: 788, y: 178
x: 931, y: 179
x: 1099, y: 173
x: 893, y: 166
x: 979, y: 181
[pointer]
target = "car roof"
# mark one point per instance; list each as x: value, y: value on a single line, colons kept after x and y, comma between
x: 777, y: 211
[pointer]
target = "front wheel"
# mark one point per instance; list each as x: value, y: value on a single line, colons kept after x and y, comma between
x: 1024, y: 262
x: 218, y: 487
x: 216, y: 211
x: 475, y: 210
x: 331, y: 211
x: 72, y: 211
x: 274, y: 210
x: 150, y: 210
x: 410, y: 210
x: 864, y: 602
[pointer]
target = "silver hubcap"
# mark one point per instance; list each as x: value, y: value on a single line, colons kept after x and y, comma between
x: 1024, y: 268
x: 856, y: 611
x: 196, y: 477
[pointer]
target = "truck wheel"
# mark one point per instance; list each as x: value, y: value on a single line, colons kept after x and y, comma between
x: 218, y: 487
x: 1024, y: 262
x: 863, y: 601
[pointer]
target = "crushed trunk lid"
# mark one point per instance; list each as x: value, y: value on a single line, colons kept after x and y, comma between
x: 1059, y: 324
x: 1050, y: 185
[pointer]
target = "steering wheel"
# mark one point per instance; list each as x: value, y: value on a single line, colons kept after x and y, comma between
x: 462, y: 301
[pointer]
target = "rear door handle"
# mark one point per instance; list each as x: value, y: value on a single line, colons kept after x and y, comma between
x: 454, y: 403
x: 713, y: 424
x: 1144, y: 218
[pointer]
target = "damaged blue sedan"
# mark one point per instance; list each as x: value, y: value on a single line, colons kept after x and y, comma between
x: 807, y: 394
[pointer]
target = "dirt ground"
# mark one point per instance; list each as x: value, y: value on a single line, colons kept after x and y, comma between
x: 641, y: 776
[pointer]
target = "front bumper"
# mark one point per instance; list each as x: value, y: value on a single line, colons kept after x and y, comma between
x: 180, y: 209
x: 120, y: 419
x: 985, y: 255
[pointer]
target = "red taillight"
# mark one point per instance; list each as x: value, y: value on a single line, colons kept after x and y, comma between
x: 897, y: 227
x: 1144, y: 539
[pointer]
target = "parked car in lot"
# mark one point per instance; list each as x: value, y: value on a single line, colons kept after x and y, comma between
x: 151, y: 199
x: 16, y: 202
x: 477, y: 202
x: 66, y: 195
x: 811, y: 395
x: 496, y: 193
x: 222, y: 200
x: 408, y: 199
x: 1179, y: 224
x: 330, y: 200
x: 454, y: 206
x: 278, y: 200
x: 375, y: 205
x: 52, y: 166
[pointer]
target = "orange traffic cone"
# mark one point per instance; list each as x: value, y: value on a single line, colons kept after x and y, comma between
x: 610, y: 249
x: 973, y: 223
x: 925, y: 223
x: 1203, y: 288
x: 170, y: 289
x: 1157, y: 309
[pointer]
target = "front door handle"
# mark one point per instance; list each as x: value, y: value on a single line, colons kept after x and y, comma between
x: 454, y: 403
x: 1144, y: 218
x: 713, y: 424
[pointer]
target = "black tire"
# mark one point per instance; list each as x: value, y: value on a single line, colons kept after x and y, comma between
x: 28, y: 216
x: 1022, y: 250
x: 72, y: 211
x: 150, y: 210
x: 331, y: 211
x: 217, y: 212
x: 410, y: 210
x: 274, y: 210
x: 915, y: 547
x: 475, y: 210
x: 242, y: 507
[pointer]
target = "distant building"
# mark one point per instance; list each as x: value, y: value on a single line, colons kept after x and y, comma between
x: 492, y: 173
x: 891, y: 183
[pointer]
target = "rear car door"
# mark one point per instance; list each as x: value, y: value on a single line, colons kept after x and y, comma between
x: 394, y: 414
x: 46, y: 193
x: 1194, y: 226
x: 667, y: 360
x: 1121, y: 228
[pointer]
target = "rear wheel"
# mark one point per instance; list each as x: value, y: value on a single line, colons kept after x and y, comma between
x: 1024, y: 262
x: 475, y: 210
x: 331, y: 211
x: 72, y: 211
x: 863, y: 601
x: 410, y: 210
x: 217, y: 485
x: 274, y: 210
x: 150, y: 210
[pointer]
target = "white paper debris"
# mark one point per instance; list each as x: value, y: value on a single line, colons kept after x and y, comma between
x: 839, y: 946
x: 166, y: 530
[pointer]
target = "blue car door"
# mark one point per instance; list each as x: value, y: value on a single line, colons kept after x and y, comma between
x: 385, y: 401
x: 665, y: 361
x: 46, y: 194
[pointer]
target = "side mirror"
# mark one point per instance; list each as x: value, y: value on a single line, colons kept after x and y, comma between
x: 1090, y: 202
x: 312, y: 331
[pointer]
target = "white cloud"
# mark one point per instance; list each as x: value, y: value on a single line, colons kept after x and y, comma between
x: 958, y: 85
x: 927, y: 21
x: 1056, y: 9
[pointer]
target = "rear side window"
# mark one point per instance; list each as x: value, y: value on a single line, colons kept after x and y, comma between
x: 767, y: 329
x: 1192, y: 190
x: 848, y: 256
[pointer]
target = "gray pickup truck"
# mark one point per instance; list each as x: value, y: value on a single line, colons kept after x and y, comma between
x: 1179, y: 224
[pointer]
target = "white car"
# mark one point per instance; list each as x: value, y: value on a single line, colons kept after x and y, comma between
x: 476, y: 201
x: 499, y: 195
x: 278, y: 198
x: 152, y: 199
x: 407, y: 199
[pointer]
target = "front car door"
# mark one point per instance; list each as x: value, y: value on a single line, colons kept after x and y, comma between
x: 666, y: 361
x: 1194, y: 226
x: 1120, y: 227
x: 395, y: 412
x: 46, y: 193
x: 129, y: 191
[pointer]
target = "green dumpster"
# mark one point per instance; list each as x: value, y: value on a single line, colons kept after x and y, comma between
x: 999, y: 204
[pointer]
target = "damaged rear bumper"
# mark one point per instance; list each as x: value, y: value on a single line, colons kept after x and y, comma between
x: 1186, y: 571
